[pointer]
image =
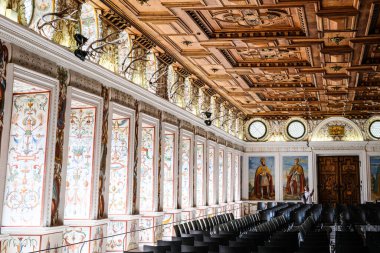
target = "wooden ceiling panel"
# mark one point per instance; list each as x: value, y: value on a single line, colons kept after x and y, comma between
x: 273, y: 58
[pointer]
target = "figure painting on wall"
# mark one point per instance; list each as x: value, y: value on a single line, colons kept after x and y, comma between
x: 374, y: 162
x: 294, y: 176
x: 261, y: 171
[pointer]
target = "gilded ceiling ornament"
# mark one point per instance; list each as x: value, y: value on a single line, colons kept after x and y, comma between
x: 336, y: 68
x: 253, y: 18
x: 270, y: 53
x: 337, y: 39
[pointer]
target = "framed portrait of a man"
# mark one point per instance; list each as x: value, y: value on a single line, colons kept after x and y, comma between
x: 261, y: 177
x: 295, y: 171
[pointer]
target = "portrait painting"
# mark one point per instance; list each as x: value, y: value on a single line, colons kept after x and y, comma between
x: 261, y: 177
x: 374, y: 163
x: 294, y: 170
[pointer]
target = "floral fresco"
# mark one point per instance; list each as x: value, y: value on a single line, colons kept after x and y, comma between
x: 229, y: 178
x: 237, y: 186
x: 26, y: 164
x: 211, y: 159
x: 147, y: 168
x: 168, y: 201
x: 199, y: 175
x: 185, y: 172
x: 221, y: 176
x: 80, y: 163
x: 119, y: 166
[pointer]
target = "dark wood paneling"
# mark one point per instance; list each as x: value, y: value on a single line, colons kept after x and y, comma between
x: 338, y: 179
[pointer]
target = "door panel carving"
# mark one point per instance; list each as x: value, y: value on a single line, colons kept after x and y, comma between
x: 338, y: 179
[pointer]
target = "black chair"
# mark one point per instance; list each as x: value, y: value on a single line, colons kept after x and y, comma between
x: 184, y: 240
x: 228, y: 249
x: 260, y: 206
x: 198, y: 249
x: 175, y: 246
x: 156, y: 249
x: 212, y: 246
x: 197, y: 237
x: 270, y: 249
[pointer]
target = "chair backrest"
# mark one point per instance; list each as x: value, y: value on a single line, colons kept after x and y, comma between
x: 270, y: 249
x: 228, y: 249
x: 198, y: 249
x: 156, y: 249
x: 177, y: 230
x: 212, y: 246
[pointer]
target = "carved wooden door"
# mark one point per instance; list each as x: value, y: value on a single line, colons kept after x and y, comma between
x: 338, y: 179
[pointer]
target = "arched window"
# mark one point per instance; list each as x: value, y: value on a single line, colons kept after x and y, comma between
x: 89, y: 23
x: 124, y: 53
x: 169, y: 156
x: 199, y: 173
x: 150, y: 72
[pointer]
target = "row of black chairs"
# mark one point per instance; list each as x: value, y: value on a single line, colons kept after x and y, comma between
x: 364, y: 214
x: 205, y: 224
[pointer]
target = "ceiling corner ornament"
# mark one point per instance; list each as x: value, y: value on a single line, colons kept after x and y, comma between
x: 142, y: 2
x: 336, y: 68
x: 337, y: 39
x: 252, y: 17
x: 337, y: 132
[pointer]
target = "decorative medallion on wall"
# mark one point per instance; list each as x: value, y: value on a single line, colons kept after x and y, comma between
x: 337, y: 132
x: 296, y: 129
x: 338, y: 129
x: 372, y: 128
x: 257, y: 129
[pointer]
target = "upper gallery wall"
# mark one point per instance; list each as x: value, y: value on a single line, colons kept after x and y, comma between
x: 110, y: 40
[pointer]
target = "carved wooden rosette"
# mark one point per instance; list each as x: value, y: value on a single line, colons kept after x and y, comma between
x: 56, y: 217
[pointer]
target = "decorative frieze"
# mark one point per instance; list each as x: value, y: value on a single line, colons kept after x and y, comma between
x: 84, y: 83
x: 149, y: 110
x: 169, y: 118
x: 29, y: 60
x: 122, y: 98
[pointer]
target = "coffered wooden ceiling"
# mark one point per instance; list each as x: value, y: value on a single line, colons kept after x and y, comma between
x: 272, y: 58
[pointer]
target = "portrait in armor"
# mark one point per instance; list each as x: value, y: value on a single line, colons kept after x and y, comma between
x: 261, y: 178
x: 295, y: 169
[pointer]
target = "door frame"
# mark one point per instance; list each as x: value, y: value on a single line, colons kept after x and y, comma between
x: 362, y: 168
